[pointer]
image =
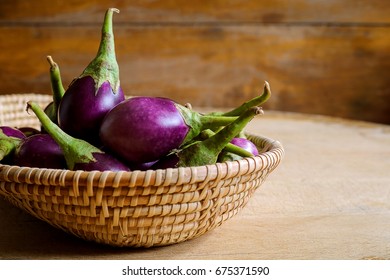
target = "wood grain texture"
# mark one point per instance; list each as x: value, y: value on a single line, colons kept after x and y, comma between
x: 202, y: 11
x: 327, y: 57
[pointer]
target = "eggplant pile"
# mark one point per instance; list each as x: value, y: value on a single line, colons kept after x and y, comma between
x: 92, y: 125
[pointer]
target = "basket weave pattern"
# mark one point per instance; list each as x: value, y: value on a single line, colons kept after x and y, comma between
x: 138, y: 208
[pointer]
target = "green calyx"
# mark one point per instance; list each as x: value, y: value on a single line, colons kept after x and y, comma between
x: 7, y: 145
x: 206, y: 151
x: 198, y: 122
x: 229, y: 148
x: 104, y: 66
x: 75, y: 150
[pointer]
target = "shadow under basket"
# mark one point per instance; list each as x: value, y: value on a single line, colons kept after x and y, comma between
x: 137, y: 208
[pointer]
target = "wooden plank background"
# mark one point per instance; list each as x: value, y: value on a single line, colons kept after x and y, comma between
x: 322, y: 57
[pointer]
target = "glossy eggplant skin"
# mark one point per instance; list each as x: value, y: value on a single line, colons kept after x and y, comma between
x: 143, y: 129
x: 78, y: 154
x: 245, y: 144
x: 104, y: 162
x: 143, y: 166
x: 12, y: 132
x: 93, y: 93
x: 39, y: 150
x: 82, y: 110
x: 242, y: 143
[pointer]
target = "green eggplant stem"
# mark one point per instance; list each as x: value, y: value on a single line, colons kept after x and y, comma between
x: 199, y: 122
x: 7, y: 145
x: 104, y: 66
x: 216, y: 121
x: 231, y: 148
x: 207, y: 151
x: 56, y: 83
x: 107, y: 33
x: 6, y: 148
x: 220, y: 139
x: 257, y: 101
x: 75, y: 150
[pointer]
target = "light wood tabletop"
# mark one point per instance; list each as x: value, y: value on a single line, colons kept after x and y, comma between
x: 328, y: 199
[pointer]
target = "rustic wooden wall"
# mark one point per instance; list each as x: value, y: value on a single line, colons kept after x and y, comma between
x: 325, y: 57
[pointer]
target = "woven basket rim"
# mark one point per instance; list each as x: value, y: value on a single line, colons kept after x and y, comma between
x: 177, y: 176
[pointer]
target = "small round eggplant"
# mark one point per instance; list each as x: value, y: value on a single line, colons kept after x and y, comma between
x: 97, y: 90
x: 144, y: 129
x: 243, y: 143
x: 79, y: 154
x: 82, y: 111
x: 39, y: 150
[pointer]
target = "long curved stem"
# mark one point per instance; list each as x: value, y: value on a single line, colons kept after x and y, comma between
x: 229, y: 146
x: 257, y: 101
x: 56, y: 83
x: 207, y: 151
x: 75, y: 150
x: 104, y: 66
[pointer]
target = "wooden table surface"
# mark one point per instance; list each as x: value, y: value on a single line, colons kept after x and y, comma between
x: 329, y: 199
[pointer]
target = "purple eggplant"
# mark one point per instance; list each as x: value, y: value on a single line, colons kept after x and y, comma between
x: 240, y: 146
x: 79, y: 154
x: 144, y: 129
x: 57, y: 90
x: 39, y: 150
x: 97, y: 90
x: 243, y: 143
x: 12, y: 132
x: 204, y: 152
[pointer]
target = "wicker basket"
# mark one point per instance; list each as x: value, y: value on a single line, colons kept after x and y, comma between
x: 138, y: 208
